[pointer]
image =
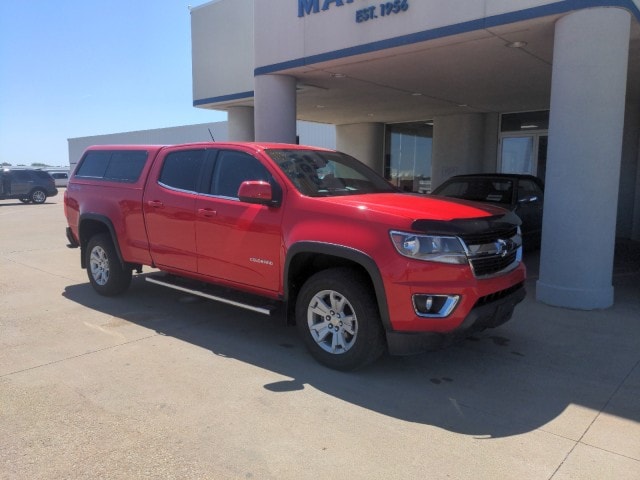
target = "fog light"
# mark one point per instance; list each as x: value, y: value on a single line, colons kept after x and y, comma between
x: 428, y: 304
x: 434, y: 306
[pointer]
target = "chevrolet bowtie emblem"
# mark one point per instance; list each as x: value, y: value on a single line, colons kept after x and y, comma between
x: 502, y: 247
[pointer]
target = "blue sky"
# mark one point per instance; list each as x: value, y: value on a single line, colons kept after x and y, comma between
x: 74, y: 68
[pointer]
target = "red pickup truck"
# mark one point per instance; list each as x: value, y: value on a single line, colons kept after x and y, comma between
x: 359, y: 267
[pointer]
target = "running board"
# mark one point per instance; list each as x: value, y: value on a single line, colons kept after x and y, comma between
x: 218, y: 294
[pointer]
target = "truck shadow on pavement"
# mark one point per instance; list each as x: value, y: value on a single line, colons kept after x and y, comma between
x: 503, y: 382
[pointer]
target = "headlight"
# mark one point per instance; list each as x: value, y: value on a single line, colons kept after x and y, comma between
x: 432, y: 248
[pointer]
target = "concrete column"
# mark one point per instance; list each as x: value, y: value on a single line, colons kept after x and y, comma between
x: 364, y: 141
x: 240, y: 124
x: 458, y: 146
x: 588, y: 88
x: 275, y: 108
x: 491, y: 134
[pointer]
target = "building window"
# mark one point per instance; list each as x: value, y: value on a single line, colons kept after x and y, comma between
x: 525, y: 121
x: 408, y: 156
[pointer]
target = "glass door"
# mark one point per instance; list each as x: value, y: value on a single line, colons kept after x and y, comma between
x: 408, y: 156
x: 523, y: 143
x: 524, y: 153
x: 516, y: 154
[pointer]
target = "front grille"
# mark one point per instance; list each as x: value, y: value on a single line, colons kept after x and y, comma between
x: 489, y: 237
x: 493, y: 251
x: 489, y: 265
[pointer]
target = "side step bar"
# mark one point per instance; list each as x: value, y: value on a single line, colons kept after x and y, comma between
x: 218, y: 294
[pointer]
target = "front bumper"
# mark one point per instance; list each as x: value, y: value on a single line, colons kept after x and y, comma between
x: 488, y: 312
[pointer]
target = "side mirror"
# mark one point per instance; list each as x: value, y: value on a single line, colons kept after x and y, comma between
x: 257, y: 191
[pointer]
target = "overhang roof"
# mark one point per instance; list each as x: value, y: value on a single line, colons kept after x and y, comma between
x: 469, y: 72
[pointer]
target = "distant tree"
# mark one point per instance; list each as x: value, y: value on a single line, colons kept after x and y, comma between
x: 39, y: 165
x: 5, y: 164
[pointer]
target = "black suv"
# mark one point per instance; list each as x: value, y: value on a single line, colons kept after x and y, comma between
x: 27, y: 185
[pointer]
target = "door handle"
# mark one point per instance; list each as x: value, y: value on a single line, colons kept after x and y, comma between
x: 207, y: 212
x: 155, y: 203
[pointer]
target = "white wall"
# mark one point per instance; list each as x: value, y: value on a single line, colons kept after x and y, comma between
x: 458, y: 146
x: 314, y: 134
x: 222, y: 30
x: 364, y: 141
x: 317, y: 134
x: 158, y: 136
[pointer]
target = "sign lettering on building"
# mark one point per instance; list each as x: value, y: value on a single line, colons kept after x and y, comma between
x: 365, y: 14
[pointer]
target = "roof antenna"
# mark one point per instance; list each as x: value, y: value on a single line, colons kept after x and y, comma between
x: 212, y: 139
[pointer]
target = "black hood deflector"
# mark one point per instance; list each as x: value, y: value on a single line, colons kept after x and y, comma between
x: 468, y: 226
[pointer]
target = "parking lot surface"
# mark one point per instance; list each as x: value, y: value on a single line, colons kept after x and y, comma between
x: 157, y: 384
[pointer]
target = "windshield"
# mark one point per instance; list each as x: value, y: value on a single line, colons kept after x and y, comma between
x: 328, y: 174
x: 491, y: 190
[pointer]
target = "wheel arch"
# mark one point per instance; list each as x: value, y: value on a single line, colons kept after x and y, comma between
x: 91, y: 224
x: 306, y: 258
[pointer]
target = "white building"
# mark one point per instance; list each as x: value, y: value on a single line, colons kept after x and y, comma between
x: 320, y: 135
x: 424, y: 89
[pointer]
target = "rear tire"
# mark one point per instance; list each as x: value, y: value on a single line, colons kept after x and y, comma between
x: 338, y: 319
x: 38, y: 196
x: 106, y: 273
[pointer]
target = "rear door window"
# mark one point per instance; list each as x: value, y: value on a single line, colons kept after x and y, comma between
x: 21, y: 176
x: 182, y: 170
x: 42, y: 175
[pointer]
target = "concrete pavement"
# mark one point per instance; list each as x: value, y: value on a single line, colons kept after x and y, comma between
x: 156, y: 384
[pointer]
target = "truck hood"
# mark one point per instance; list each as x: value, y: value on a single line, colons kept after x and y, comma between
x: 415, y: 207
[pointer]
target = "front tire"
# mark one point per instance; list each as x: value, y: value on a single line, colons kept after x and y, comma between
x: 338, y: 319
x: 106, y: 273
